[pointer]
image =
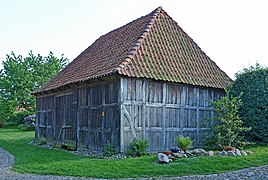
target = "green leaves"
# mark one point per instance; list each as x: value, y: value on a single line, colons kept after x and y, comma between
x: 20, y: 76
x: 138, y: 147
x: 229, y: 125
x: 184, y: 142
x: 251, y: 85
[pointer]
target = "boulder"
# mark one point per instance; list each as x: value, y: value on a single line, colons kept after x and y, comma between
x: 175, y: 150
x: 189, y: 153
x: 243, y: 153
x: 199, y: 152
x: 248, y: 151
x: 178, y: 155
x: 238, y: 152
x: 163, y: 158
x: 210, y: 153
x: 223, y: 153
x: 231, y: 153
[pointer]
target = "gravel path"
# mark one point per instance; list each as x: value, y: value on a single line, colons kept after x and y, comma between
x: 7, y: 160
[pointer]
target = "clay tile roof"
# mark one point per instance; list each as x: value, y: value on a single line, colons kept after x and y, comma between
x: 153, y: 46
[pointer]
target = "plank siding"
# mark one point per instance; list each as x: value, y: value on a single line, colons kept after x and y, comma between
x: 121, y: 109
x: 161, y: 111
x: 91, y: 112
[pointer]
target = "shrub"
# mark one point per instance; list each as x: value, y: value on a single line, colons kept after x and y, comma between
x: 109, y: 150
x: 26, y: 127
x: 228, y: 128
x: 251, y: 85
x: 184, y: 142
x: 18, y: 117
x: 138, y: 147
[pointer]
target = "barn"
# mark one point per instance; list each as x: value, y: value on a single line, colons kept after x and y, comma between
x: 147, y: 79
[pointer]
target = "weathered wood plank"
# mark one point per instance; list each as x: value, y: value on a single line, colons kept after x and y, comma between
x: 130, y: 121
x: 120, y: 100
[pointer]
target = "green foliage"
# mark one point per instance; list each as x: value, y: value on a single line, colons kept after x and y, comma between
x: 20, y: 76
x: 251, y: 85
x: 18, y: 117
x: 138, y: 147
x: 228, y: 127
x: 25, y: 127
x: 184, y: 142
x: 109, y: 150
x: 32, y: 159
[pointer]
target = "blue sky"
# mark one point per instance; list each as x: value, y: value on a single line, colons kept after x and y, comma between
x: 232, y: 33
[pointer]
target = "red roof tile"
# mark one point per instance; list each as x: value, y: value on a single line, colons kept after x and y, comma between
x: 153, y: 46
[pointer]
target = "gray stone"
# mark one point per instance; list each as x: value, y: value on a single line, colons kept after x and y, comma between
x: 184, y: 155
x: 178, y: 155
x: 210, y: 153
x: 237, y: 152
x: 189, y: 153
x: 231, y: 153
x: 248, y: 151
x: 243, y: 153
x: 163, y: 158
x: 199, y: 151
x: 223, y: 153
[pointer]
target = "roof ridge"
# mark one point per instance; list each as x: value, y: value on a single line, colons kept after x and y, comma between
x: 136, y: 45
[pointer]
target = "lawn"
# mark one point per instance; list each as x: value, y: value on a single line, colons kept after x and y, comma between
x: 31, y: 159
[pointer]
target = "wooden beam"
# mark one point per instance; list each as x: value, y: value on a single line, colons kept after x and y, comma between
x: 164, y: 112
x: 130, y: 121
x: 120, y: 101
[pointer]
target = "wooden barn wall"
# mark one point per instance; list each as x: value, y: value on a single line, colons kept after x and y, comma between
x: 159, y: 112
x: 91, y: 115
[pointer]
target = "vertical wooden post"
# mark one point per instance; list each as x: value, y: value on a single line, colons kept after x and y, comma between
x: 197, y: 115
x: 183, y: 96
x: 144, y: 113
x: 120, y: 102
x: 164, y: 109
x: 77, y: 120
x: 103, y: 116
x: 212, y: 111
x: 53, y: 121
x: 37, y: 130
x: 89, y: 99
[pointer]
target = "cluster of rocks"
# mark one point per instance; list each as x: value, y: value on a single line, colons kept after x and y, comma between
x: 234, y: 152
x: 169, y: 156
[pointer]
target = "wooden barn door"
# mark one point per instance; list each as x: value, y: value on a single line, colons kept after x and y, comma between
x: 66, y: 107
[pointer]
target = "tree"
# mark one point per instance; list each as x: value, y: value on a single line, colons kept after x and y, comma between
x: 228, y: 127
x: 20, y: 76
x: 251, y: 85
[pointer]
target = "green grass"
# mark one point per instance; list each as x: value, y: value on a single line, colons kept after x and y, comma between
x: 30, y: 159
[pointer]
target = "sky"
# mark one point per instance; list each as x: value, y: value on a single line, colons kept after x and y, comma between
x: 232, y: 33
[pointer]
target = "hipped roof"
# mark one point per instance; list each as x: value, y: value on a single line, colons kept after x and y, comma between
x: 153, y: 46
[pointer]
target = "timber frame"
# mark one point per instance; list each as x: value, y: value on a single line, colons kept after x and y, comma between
x: 119, y: 109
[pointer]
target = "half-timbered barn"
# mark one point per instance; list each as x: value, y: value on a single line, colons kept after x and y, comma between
x: 147, y: 79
